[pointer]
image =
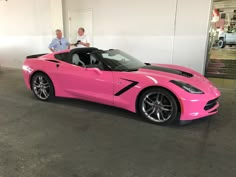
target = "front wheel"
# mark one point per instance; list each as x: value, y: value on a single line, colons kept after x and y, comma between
x: 159, y: 106
x: 221, y: 43
x: 42, y: 87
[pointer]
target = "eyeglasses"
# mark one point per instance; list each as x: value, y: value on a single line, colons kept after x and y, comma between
x: 60, y: 42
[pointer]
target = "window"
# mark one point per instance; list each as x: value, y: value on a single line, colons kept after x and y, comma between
x: 117, y: 57
x: 117, y: 60
x: 63, y: 57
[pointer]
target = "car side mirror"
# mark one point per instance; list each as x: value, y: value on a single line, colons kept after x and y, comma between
x: 96, y: 70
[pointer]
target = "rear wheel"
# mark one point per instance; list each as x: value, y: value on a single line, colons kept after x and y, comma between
x: 159, y: 106
x: 42, y: 87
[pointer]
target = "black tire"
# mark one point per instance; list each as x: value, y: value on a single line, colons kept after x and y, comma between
x: 159, y: 106
x: 221, y: 43
x: 42, y: 87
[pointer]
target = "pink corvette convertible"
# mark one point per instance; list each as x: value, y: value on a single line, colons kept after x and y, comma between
x: 160, y: 93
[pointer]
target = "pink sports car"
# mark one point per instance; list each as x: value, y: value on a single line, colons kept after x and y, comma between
x: 161, y: 93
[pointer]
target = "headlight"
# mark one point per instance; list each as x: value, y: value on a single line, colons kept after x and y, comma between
x: 187, y: 87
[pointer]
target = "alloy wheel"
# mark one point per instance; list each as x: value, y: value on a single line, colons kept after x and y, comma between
x: 157, y: 107
x: 41, y: 87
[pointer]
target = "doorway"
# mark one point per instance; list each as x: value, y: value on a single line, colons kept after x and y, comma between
x: 221, y: 63
x: 81, y: 18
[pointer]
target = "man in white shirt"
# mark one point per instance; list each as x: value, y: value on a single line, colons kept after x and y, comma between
x: 82, y: 39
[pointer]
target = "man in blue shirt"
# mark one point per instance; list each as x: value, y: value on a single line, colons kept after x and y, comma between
x: 59, y: 43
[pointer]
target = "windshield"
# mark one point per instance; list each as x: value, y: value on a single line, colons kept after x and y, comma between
x: 120, y: 61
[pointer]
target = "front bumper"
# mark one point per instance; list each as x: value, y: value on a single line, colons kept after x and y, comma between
x: 200, y: 106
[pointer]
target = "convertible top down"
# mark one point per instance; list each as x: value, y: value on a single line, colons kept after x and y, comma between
x: 161, y: 93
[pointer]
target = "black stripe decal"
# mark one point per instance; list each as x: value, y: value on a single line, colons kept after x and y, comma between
x: 168, y: 70
x: 125, y: 89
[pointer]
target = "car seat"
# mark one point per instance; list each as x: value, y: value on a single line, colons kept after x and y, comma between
x: 93, y: 60
x: 76, y: 60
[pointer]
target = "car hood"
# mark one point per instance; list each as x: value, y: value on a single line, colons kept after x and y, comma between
x: 178, y: 73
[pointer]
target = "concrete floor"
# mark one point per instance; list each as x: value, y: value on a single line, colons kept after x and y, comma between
x: 71, y: 138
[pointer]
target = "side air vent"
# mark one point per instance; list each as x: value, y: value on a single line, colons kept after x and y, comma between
x: 54, y: 61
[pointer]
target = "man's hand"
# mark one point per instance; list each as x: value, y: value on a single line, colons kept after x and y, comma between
x: 84, y: 44
x: 52, y: 50
x: 77, y: 43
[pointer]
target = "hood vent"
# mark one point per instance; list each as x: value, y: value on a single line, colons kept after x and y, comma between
x: 168, y: 70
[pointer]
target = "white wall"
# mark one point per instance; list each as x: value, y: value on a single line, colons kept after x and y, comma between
x: 143, y: 28
x: 170, y: 31
x: 27, y: 27
x: 191, y: 34
x: 151, y: 30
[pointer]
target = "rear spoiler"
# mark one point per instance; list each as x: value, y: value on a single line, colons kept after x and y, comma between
x: 36, y: 56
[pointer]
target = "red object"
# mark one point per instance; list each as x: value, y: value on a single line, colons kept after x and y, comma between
x: 216, y: 12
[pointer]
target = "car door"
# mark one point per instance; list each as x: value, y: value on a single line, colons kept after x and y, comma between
x: 90, y: 84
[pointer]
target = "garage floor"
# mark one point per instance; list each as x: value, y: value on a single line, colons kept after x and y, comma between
x: 71, y: 138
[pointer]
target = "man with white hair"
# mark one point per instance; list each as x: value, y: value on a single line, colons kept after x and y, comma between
x: 59, y: 43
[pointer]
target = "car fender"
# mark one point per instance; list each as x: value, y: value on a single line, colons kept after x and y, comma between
x: 129, y: 98
x: 33, y: 66
x: 222, y: 36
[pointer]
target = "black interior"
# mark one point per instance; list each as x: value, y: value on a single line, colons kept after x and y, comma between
x: 62, y: 56
x: 85, y: 58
